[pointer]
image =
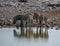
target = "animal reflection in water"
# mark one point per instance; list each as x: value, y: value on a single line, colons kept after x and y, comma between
x: 29, y: 33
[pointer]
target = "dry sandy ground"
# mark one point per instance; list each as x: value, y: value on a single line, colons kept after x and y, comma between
x: 8, y: 11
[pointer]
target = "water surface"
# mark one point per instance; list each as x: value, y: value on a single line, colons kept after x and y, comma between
x: 7, y: 38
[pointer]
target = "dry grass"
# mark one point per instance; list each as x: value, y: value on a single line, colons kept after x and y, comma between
x: 51, y: 13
